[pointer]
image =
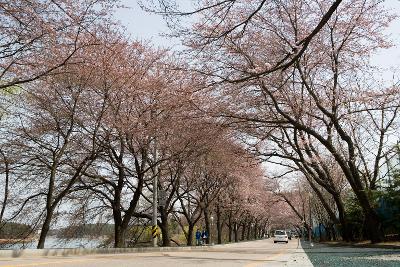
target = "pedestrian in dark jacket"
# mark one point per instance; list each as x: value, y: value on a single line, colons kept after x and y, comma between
x: 204, y: 236
x: 198, y: 237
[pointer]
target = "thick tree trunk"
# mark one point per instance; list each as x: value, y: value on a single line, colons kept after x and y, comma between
x: 374, y: 227
x: 373, y: 223
x: 6, y: 185
x: 320, y: 233
x: 248, y: 231
x: 207, y: 222
x: 45, y: 228
x: 219, y: 226
x: 327, y: 207
x: 334, y: 236
x: 243, y: 231
x: 235, y: 227
x: 349, y: 167
x: 328, y: 230
x: 230, y: 230
x: 119, y: 234
x: 119, y: 238
x: 346, y: 233
x: 190, y: 234
x: 166, y: 239
x: 122, y: 223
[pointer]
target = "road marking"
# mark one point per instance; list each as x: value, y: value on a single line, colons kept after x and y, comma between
x: 261, y: 261
x: 47, y: 263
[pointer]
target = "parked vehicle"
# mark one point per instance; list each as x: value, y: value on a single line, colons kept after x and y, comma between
x: 281, y: 236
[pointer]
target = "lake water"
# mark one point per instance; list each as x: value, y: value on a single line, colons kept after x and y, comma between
x: 53, y: 242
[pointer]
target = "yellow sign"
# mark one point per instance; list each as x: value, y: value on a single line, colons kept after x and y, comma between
x: 154, y: 231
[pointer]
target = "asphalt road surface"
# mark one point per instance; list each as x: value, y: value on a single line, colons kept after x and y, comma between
x: 244, y: 254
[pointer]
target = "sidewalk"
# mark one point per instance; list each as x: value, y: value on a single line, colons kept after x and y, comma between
x: 299, y: 257
x: 339, y: 254
x: 363, y: 244
x: 21, y: 253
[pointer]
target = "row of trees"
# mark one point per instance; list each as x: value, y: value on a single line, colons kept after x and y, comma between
x: 83, y: 134
x: 89, y: 117
x: 294, y: 77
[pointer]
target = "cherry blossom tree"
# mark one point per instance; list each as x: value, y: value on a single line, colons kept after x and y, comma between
x: 312, y: 96
x: 39, y: 37
x: 49, y: 133
x: 217, y: 22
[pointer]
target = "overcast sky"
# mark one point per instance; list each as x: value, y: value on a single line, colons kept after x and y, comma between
x: 144, y: 26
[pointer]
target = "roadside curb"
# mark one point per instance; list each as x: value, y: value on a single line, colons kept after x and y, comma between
x: 22, y: 253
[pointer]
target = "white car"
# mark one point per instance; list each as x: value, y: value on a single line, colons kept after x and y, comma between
x: 281, y: 236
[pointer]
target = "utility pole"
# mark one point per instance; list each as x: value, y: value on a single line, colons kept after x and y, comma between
x: 309, y: 232
x: 212, y: 223
x: 155, y: 203
x: 154, y: 229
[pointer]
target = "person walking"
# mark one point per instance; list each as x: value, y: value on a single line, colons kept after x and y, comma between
x: 198, y: 237
x: 204, y: 236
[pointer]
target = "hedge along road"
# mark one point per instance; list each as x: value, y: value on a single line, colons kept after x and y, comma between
x: 244, y: 254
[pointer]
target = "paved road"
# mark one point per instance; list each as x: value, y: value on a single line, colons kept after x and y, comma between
x: 245, y: 254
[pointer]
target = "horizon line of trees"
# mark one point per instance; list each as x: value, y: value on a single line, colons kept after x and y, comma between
x: 83, y: 142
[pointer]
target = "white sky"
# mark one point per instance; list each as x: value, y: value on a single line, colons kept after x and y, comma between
x: 142, y: 25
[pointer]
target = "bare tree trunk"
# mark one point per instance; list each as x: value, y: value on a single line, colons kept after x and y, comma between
x: 219, y: 225
x: 119, y: 238
x: 190, y: 235
x: 166, y: 239
x: 346, y: 233
x: 243, y: 231
x: 372, y: 221
x: 248, y: 231
x: 230, y: 228
x: 49, y: 208
x: 6, y: 185
x: 235, y: 227
x: 45, y: 228
x: 320, y: 232
x: 119, y: 235
x: 207, y: 222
